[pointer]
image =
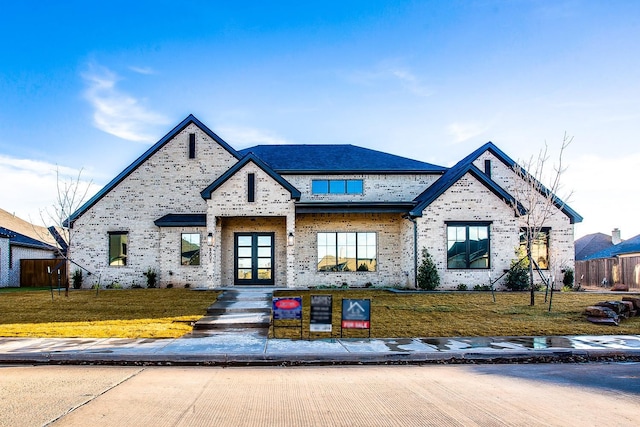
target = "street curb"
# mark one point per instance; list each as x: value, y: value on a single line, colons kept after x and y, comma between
x: 408, y: 358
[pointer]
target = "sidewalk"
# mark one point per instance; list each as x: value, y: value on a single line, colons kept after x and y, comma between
x: 245, y: 348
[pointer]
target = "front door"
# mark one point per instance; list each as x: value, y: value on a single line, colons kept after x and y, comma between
x: 254, y: 259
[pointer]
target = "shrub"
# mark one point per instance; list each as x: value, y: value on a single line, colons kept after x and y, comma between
x: 517, y: 278
x: 151, y: 275
x: 461, y: 287
x: 482, y: 288
x: 428, y: 278
x: 567, y: 278
x: 77, y: 279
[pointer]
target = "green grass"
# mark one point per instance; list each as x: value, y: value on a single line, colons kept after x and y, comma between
x: 167, y: 313
x: 139, y: 313
x: 467, y: 314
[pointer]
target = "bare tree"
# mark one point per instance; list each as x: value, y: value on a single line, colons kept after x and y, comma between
x: 539, y: 202
x: 71, y: 194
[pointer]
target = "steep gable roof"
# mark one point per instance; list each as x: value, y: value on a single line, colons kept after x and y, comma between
x: 206, y: 193
x: 629, y: 246
x: 338, y: 158
x: 140, y: 160
x: 591, y: 244
x: 574, y: 217
x: 451, y: 177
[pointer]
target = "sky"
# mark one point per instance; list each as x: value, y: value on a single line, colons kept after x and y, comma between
x: 86, y: 87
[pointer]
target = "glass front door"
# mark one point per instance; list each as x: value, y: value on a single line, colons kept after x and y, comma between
x: 254, y: 259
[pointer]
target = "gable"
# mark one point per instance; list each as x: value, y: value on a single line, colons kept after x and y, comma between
x: 145, y: 159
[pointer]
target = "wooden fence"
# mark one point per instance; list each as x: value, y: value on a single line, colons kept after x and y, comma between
x: 617, y: 270
x: 34, y: 272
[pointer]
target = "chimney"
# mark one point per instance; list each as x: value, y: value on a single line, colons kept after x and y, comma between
x: 615, y: 236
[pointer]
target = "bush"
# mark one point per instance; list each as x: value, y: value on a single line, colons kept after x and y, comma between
x: 461, y: 287
x: 77, y: 279
x: 428, y: 278
x: 151, y: 277
x: 483, y: 288
x: 567, y: 278
x: 517, y: 278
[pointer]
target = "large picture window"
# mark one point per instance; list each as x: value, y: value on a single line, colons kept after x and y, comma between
x: 118, y: 242
x: 347, y: 252
x: 336, y: 186
x: 190, y: 249
x: 539, y: 247
x: 467, y: 245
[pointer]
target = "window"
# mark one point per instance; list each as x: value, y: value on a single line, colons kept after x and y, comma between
x: 118, y: 242
x: 468, y: 245
x: 336, y: 186
x: 539, y: 247
x: 192, y: 145
x: 251, y: 187
x: 347, y: 252
x: 190, y: 249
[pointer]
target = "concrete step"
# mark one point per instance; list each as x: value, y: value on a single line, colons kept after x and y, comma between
x: 237, y: 309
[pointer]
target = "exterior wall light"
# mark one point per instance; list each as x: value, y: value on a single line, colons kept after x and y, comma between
x: 210, y: 239
x: 290, y: 239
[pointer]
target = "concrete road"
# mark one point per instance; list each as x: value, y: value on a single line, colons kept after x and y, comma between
x: 460, y: 395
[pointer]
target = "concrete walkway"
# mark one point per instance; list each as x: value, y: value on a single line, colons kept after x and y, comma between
x: 244, y: 348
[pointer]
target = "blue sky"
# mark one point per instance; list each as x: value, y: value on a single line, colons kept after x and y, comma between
x: 93, y: 84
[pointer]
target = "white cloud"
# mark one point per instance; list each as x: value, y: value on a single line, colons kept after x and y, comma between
x: 142, y: 70
x: 116, y: 112
x: 33, y: 187
x: 394, y: 74
x: 241, y: 137
x: 463, y: 131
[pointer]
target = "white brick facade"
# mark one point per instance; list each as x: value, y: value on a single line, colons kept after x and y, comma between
x: 214, y: 191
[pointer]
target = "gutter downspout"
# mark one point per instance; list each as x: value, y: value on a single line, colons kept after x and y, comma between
x: 415, y: 250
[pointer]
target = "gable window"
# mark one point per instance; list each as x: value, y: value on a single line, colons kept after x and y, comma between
x: 192, y: 145
x: 118, y: 242
x: 539, y: 246
x: 190, y: 249
x: 468, y: 245
x: 336, y: 186
x: 347, y: 252
x: 251, y: 187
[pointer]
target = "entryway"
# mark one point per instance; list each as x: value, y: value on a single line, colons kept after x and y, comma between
x: 253, y: 259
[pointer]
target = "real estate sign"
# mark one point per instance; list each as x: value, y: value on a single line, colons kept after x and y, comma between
x: 287, y: 308
x: 321, y: 313
x: 356, y: 313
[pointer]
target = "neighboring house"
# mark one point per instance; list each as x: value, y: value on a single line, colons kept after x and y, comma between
x: 615, y: 264
x: 202, y: 213
x: 596, y: 242
x: 20, y: 240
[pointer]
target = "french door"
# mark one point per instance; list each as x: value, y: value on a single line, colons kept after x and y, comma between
x: 253, y: 259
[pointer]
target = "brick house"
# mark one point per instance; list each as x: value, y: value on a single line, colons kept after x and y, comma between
x: 201, y: 213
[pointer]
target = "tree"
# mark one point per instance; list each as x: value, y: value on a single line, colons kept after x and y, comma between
x: 428, y: 277
x: 71, y: 193
x: 535, y: 203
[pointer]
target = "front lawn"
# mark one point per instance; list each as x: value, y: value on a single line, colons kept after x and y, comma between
x: 167, y: 313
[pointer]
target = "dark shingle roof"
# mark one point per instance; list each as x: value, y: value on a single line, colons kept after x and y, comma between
x: 339, y: 158
x: 591, y: 244
x: 18, y: 239
x: 629, y: 246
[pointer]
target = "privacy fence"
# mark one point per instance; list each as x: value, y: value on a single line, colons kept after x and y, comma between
x: 609, y: 271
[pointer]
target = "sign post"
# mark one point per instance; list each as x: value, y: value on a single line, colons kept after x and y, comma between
x: 356, y: 314
x: 287, y: 308
x: 321, y: 313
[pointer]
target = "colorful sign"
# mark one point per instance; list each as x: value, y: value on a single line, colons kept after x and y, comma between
x: 287, y: 308
x: 356, y: 313
x: 321, y: 313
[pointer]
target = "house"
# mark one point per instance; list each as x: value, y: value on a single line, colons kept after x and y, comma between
x: 590, y: 244
x: 616, y: 264
x: 21, y: 240
x: 203, y: 214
